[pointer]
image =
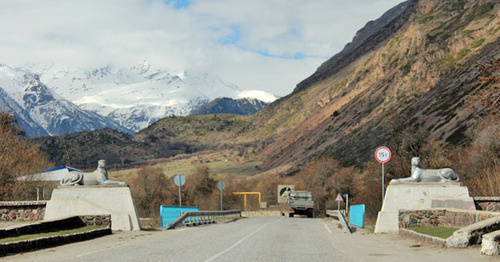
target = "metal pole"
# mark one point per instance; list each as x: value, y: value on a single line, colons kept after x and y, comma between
x: 383, y: 179
x: 245, y: 199
x: 346, y: 203
x: 221, y: 200
x: 180, y: 197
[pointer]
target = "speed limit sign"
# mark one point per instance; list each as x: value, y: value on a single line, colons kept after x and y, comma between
x: 383, y: 154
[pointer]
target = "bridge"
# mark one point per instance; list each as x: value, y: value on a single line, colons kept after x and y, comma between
x: 249, y: 239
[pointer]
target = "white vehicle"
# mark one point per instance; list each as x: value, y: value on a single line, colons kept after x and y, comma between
x: 301, y: 203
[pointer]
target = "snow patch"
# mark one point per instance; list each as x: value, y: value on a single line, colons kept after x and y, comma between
x: 257, y: 94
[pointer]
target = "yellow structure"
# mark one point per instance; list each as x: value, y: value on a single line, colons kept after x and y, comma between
x: 245, y: 196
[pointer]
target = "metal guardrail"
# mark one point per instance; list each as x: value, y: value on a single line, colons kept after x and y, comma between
x: 340, y: 216
x: 203, y: 217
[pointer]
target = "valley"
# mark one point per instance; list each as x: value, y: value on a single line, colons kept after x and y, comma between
x: 223, y: 164
x: 413, y: 80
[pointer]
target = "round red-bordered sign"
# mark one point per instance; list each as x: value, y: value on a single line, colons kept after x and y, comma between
x: 383, y: 154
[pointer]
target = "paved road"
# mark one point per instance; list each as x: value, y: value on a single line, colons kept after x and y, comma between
x: 251, y: 239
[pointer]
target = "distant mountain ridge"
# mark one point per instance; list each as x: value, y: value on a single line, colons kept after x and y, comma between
x: 226, y: 105
x: 125, y: 99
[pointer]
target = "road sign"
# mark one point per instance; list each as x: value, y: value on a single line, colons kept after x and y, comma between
x: 383, y: 154
x: 339, y: 198
x: 179, y: 180
x: 221, y: 186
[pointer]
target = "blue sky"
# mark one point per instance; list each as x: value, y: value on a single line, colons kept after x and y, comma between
x: 178, y: 4
x: 268, y: 45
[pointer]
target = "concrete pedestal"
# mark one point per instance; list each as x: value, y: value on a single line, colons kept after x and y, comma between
x: 95, y: 200
x: 417, y: 196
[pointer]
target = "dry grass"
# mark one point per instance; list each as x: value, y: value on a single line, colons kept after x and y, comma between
x: 221, y: 164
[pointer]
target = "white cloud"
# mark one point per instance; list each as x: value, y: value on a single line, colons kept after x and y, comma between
x: 248, y: 43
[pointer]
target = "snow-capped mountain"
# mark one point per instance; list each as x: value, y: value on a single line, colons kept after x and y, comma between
x: 120, y: 98
x: 136, y: 96
x: 40, y: 111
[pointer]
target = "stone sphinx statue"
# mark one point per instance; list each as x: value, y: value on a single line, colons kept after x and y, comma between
x: 420, y: 174
x: 98, y: 177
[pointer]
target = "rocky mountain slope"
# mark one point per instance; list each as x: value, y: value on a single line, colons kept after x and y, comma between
x: 419, y: 77
x: 367, y: 39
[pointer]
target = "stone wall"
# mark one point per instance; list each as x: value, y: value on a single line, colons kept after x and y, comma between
x: 487, y: 203
x: 22, y: 210
x: 442, y: 217
x: 97, y: 220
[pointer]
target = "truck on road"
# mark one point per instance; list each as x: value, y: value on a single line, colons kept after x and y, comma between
x: 301, y: 203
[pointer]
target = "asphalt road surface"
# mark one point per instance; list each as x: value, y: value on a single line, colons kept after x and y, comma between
x: 251, y: 239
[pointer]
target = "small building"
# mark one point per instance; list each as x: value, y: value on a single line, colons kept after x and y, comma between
x: 46, y: 180
x: 54, y: 174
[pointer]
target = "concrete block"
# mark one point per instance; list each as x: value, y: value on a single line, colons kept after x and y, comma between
x: 387, y: 222
x: 490, y: 244
x: 471, y: 235
x: 95, y: 200
x: 420, y: 195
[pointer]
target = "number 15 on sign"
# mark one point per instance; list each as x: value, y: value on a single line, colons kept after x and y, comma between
x: 383, y: 155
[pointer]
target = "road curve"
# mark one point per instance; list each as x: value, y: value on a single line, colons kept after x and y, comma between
x: 250, y: 239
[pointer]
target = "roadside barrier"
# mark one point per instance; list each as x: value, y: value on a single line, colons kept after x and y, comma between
x: 335, y: 214
x: 169, y: 214
x: 195, y: 218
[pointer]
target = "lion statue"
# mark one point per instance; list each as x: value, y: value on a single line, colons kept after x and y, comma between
x: 98, y: 177
x: 420, y: 174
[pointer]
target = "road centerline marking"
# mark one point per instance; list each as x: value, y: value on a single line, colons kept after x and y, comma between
x: 236, y: 244
x: 328, y: 229
x: 92, y: 252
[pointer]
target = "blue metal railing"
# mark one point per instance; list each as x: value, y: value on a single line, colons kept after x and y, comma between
x: 169, y: 214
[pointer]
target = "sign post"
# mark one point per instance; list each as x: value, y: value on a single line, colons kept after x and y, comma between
x: 179, y: 181
x: 339, y: 199
x: 383, y: 155
x: 221, y: 186
x: 346, y: 203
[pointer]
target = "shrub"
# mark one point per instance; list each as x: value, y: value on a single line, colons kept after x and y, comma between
x: 17, y: 157
x: 151, y: 189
